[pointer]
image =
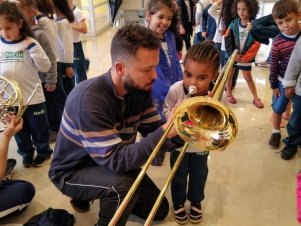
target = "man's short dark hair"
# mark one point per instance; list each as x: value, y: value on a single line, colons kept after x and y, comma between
x: 129, y: 39
x: 284, y: 7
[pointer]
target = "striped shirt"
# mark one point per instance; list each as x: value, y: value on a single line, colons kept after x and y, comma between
x: 282, y: 48
x: 99, y: 127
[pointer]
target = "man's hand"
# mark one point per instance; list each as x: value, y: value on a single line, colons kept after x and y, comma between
x: 204, y: 34
x: 289, y: 92
x: 170, y: 118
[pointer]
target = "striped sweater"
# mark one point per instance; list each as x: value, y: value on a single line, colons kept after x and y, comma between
x: 99, y: 128
x: 282, y: 48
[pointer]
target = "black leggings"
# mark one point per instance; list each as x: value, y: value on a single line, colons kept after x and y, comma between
x: 15, y: 196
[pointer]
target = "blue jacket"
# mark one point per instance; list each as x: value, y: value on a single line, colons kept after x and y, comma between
x: 166, y: 74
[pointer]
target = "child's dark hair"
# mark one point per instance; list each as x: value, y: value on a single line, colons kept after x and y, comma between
x: 155, y: 5
x: 129, y: 39
x: 28, y: 3
x: 204, y: 52
x: 13, y: 15
x: 63, y: 7
x: 226, y: 14
x: 284, y: 7
x: 252, y: 6
x: 45, y: 6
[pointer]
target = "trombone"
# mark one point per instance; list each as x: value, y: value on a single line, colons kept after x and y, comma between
x: 202, y: 122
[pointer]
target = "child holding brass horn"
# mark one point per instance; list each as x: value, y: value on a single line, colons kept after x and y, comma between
x: 201, y: 66
x: 23, y: 58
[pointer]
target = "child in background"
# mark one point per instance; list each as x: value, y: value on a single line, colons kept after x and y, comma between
x: 200, y: 6
x: 286, y: 16
x: 201, y: 67
x: 49, y: 79
x: 186, y: 20
x: 238, y: 37
x: 159, y: 16
x: 55, y: 100
x: 208, y: 23
x: 215, y: 12
x: 64, y: 18
x: 29, y: 58
x: 292, y: 87
x: 78, y: 26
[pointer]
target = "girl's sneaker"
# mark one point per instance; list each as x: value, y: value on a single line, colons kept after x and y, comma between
x: 195, y: 213
x: 180, y: 214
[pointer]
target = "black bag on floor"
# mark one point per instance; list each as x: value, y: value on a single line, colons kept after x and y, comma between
x: 51, y: 217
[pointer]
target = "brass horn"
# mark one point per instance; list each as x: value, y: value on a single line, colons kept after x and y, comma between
x: 202, y: 122
x: 11, y: 100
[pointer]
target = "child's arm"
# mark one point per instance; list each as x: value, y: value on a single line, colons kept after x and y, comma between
x: 51, y: 74
x: 293, y: 71
x: 81, y: 25
x: 65, y: 33
x: 198, y: 13
x: 213, y: 10
x: 12, y: 129
x: 251, y: 52
x: 37, y: 54
x: 274, y: 69
x: 204, y: 23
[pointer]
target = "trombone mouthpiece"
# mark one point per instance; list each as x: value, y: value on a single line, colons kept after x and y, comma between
x: 192, y: 89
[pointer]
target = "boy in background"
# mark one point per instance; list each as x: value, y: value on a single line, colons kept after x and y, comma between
x: 286, y: 15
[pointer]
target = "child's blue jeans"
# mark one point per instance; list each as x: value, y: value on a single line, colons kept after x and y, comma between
x: 195, y: 166
x: 35, y: 132
x: 294, y: 124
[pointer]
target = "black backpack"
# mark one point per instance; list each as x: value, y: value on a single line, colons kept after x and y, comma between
x: 51, y: 217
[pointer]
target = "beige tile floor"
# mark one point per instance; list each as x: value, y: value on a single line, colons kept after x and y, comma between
x: 248, y: 184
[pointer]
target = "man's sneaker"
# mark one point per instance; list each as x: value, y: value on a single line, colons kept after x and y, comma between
x: 263, y: 64
x: 195, y: 213
x: 27, y: 162
x: 180, y: 214
x: 288, y: 152
x: 80, y: 206
x: 39, y: 161
x: 274, y: 141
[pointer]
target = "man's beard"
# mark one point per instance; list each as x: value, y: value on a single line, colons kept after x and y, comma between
x: 134, y: 91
